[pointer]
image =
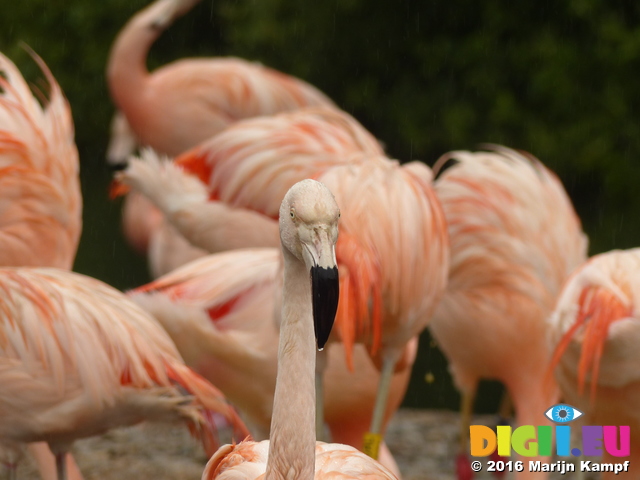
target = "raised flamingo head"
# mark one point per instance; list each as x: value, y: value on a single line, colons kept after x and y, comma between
x: 309, y: 218
x: 122, y: 143
x: 170, y: 10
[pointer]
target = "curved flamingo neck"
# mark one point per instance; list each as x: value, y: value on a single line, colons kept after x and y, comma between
x: 127, y: 68
x: 293, y: 435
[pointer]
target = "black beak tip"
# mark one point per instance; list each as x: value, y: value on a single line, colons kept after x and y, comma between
x: 325, y: 291
x: 118, y: 166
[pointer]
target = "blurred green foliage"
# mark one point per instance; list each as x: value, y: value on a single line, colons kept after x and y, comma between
x: 554, y: 78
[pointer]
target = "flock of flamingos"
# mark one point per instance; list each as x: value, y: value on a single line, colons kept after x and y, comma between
x: 277, y: 213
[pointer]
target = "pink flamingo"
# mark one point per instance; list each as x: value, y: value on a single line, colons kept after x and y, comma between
x: 79, y: 358
x: 186, y: 102
x: 514, y: 239
x: 309, y: 230
x: 217, y: 310
x: 40, y: 201
x: 594, y: 330
x: 383, y: 276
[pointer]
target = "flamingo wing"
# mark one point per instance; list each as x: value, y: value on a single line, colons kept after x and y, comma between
x: 219, y: 310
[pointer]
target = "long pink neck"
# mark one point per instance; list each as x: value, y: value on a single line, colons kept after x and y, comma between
x: 127, y: 68
x: 293, y: 435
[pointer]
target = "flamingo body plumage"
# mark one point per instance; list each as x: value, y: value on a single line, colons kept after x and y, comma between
x: 248, y: 461
x: 41, y: 203
x: 515, y: 238
x: 77, y: 358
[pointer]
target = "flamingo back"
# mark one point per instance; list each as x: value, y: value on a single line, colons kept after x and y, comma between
x: 254, y: 162
x: 219, y: 283
x: 509, y: 204
x: 41, y: 204
x: 75, y: 355
x: 237, y: 89
x: 184, y: 103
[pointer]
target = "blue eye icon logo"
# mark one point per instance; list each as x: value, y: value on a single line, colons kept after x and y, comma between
x: 562, y: 413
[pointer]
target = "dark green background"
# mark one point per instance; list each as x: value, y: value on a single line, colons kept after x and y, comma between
x: 558, y: 79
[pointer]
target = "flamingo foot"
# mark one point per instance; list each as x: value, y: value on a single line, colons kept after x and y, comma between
x: 463, y: 467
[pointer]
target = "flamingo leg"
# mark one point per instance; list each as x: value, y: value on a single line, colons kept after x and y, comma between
x: 12, y: 471
x: 463, y: 468
x: 466, y: 412
x: 373, y: 438
x: 61, y: 465
x: 10, y: 460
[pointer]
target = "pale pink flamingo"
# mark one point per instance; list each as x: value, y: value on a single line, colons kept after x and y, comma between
x: 595, y: 332
x: 79, y: 358
x: 219, y: 312
x: 184, y: 103
x: 391, y: 281
x: 515, y: 238
x: 309, y: 231
x: 40, y: 199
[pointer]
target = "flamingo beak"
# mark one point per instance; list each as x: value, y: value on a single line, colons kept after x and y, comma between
x: 325, y: 285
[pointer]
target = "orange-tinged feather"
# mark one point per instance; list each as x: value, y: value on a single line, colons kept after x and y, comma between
x: 117, y: 189
x: 598, y: 309
x: 359, y: 281
x: 195, y: 162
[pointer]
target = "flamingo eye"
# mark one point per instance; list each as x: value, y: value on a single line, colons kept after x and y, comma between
x: 562, y: 413
x: 292, y: 214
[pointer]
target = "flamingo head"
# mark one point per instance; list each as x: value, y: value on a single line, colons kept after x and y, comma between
x: 309, y: 218
x: 172, y: 10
